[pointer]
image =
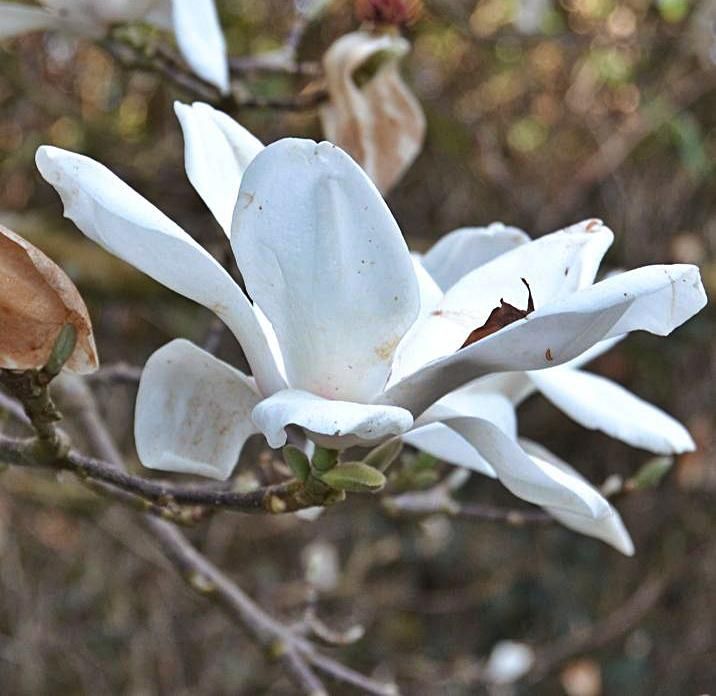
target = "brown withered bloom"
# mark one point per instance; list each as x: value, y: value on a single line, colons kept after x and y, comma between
x: 397, y: 12
x: 36, y: 300
x: 371, y: 113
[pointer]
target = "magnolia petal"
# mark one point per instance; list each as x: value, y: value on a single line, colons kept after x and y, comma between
x: 334, y: 424
x: 609, y: 529
x: 467, y: 248
x: 19, y: 19
x: 517, y: 386
x: 554, y: 266
x: 325, y: 261
x: 599, y: 404
x: 201, y: 40
x: 217, y: 151
x: 117, y: 218
x: 380, y: 123
x: 36, y: 300
x: 430, y: 297
x: 654, y: 298
x: 447, y: 444
x: 536, y: 481
x: 193, y: 412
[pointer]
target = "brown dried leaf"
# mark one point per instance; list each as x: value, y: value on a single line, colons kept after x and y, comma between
x: 380, y: 123
x: 36, y: 300
x: 501, y: 316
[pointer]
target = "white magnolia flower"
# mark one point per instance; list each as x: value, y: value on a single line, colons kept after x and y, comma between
x: 337, y: 304
x: 195, y: 24
x: 592, y: 401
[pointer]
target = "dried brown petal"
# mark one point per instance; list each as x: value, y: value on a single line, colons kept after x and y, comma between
x: 395, y: 12
x: 379, y: 122
x: 501, y: 316
x: 36, y: 300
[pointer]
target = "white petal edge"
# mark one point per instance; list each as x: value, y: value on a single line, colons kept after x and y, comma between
x: 600, y: 404
x: 610, y: 529
x: 20, y: 19
x: 124, y: 223
x: 656, y: 299
x: 461, y: 251
x: 334, y: 424
x: 217, y: 151
x: 324, y: 259
x: 201, y: 40
x: 193, y: 412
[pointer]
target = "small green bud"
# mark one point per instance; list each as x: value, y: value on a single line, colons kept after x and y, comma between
x: 62, y: 350
x: 650, y: 475
x: 355, y: 477
x: 384, y: 455
x: 324, y: 459
x: 297, y: 462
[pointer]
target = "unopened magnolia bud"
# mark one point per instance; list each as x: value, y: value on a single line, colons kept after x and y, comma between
x: 396, y: 12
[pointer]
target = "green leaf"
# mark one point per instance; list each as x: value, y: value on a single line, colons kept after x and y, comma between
x: 651, y: 474
x: 297, y: 462
x: 355, y: 477
x: 384, y: 455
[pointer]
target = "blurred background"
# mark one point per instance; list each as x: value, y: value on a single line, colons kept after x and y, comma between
x: 540, y: 114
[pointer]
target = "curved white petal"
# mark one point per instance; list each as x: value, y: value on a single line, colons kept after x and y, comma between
x: 430, y: 297
x: 467, y: 248
x: 537, y: 482
x: 217, y: 151
x: 609, y: 529
x: 193, y: 412
x: 117, y: 218
x: 600, y: 404
x: 554, y: 266
x: 334, y: 424
x: 324, y: 259
x: 201, y: 40
x: 446, y: 444
x: 19, y: 19
x: 654, y: 298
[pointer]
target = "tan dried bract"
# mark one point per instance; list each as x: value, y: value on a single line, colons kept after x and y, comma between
x: 36, y: 300
x: 380, y: 123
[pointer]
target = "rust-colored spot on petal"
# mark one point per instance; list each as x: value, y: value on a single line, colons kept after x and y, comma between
x: 36, y: 300
x: 592, y: 224
x: 501, y: 316
x: 548, y: 355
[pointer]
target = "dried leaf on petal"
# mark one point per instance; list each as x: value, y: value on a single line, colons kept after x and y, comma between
x: 501, y: 316
x: 36, y: 300
x: 379, y: 122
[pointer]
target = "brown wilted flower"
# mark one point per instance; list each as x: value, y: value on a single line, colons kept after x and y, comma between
x: 371, y: 113
x: 36, y: 300
x: 397, y: 12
